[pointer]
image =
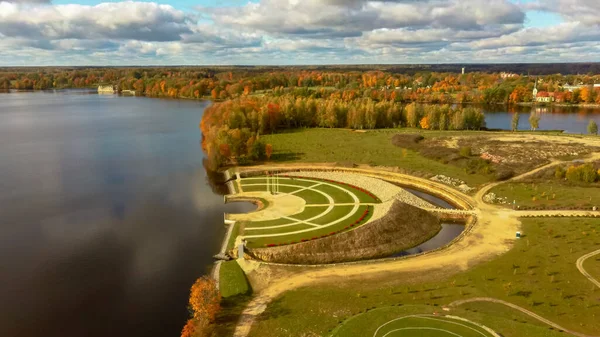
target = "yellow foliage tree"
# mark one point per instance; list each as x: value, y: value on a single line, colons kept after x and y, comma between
x: 425, y: 123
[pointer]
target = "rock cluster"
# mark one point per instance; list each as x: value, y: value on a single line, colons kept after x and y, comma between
x: 461, y: 185
x: 492, y: 198
x: 492, y: 158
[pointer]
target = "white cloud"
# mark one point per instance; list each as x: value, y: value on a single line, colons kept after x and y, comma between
x: 123, y: 20
x: 584, y: 11
x: 296, y: 31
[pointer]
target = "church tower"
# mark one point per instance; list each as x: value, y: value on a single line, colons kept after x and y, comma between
x: 535, y: 91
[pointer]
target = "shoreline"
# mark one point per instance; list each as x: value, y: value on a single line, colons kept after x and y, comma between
x: 215, y: 273
x: 209, y: 99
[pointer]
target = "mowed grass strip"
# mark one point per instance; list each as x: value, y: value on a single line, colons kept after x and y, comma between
x: 538, y: 274
x: 312, y: 198
x: 263, y: 188
x: 268, y: 223
x: 279, y: 230
x: 335, y: 214
x: 281, y: 180
x: 309, y: 212
x: 347, y: 224
x: 339, y: 196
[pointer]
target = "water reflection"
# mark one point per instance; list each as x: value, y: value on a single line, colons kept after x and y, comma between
x: 107, y: 214
x: 568, y: 119
x: 448, y: 233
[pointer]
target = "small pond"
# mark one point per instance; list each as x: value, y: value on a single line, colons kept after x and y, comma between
x: 448, y: 232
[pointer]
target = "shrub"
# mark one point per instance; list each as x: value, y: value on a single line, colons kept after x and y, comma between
x: 583, y: 173
x: 478, y: 165
x: 559, y: 172
x: 466, y: 151
x: 504, y: 174
x: 408, y: 141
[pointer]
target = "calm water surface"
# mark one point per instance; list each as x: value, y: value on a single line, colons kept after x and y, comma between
x: 569, y: 119
x: 106, y: 214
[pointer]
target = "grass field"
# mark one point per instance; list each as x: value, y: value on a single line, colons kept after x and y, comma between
x: 373, y: 147
x: 549, y: 195
x: 232, y: 280
x: 407, y: 321
x: 539, y: 274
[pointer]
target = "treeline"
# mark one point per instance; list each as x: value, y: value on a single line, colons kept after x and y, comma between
x: 232, y: 129
x: 219, y: 83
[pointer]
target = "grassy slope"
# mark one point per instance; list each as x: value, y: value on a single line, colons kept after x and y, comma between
x: 232, y: 280
x: 549, y: 195
x: 373, y: 147
x: 539, y: 274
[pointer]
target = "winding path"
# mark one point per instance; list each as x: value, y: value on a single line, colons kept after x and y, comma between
x: 518, y: 308
x: 490, y: 237
x: 580, y: 262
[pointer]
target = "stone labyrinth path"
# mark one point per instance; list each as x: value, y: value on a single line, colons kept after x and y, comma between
x: 430, y: 326
x: 330, y: 208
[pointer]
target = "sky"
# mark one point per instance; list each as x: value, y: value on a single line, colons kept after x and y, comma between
x: 306, y: 32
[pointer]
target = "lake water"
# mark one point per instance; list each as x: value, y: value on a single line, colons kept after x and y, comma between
x: 569, y: 119
x: 107, y: 216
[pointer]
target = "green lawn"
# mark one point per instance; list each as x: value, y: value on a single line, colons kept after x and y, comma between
x: 310, y: 212
x: 372, y: 147
x: 592, y: 265
x: 336, y: 213
x: 539, y: 274
x: 312, y: 197
x: 267, y: 223
x: 549, y: 195
x: 339, y: 196
x: 382, y: 321
x: 232, y: 280
x: 293, y: 228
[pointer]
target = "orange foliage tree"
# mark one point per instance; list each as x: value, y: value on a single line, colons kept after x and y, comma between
x: 268, y: 151
x: 205, y: 299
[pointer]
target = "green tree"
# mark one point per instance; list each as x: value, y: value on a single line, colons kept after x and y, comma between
x: 592, y: 127
x: 534, y: 121
x: 515, y: 121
